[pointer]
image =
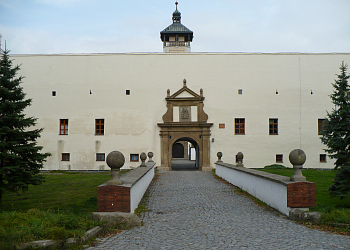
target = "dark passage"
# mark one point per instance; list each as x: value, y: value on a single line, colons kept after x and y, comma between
x: 183, y: 164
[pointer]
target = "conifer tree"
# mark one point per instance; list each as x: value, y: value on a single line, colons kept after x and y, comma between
x: 20, y: 157
x: 336, y: 134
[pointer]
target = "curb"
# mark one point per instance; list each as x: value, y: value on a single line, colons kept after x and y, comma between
x: 49, y: 244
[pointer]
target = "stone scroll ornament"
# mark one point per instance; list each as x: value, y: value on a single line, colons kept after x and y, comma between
x: 115, y: 160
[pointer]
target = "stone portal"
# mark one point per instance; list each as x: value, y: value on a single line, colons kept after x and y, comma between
x: 185, y: 118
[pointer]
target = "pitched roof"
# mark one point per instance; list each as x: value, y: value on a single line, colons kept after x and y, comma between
x: 176, y: 27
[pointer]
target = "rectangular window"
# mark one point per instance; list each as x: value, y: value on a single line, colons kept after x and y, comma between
x: 240, y: 91
x: 63, y: 126
x: 65, y: 156
x: 134, y: 157
x: 323, y: 158
x: 53, y: 93
x: 100, y: 157
x: 239, y: 126
x: 128, y: 92
x: 222, y: 125
x: 279, y: 158
x: 320, y: 126
x: 273, y: 126
x: 99, y: 126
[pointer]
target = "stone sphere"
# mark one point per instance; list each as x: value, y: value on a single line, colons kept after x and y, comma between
x: 115, y: 160
x: 219, y: 154
x: 297, y: 157
x: 239, y: 156
x: 150, y: 154
x: 143, y: 156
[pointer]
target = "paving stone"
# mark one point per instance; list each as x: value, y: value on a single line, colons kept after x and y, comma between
x: 193, y: 210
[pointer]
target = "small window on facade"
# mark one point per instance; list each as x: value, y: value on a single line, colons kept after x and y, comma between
x: 222, y: 125
x: 240, y: 91
x: 99, y: 126
x: 273, y: 126
x: 323, y: 158
x: 53, y: 93
x: 239, y: 126
x: 65, y: 156
x: 63, y: 126
x: 128, y: 92
x: 134, y: 157
x: 279, y: 158
x: 320, y: 126
x: 100, y: 157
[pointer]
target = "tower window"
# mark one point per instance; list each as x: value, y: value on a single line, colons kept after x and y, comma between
x: 128, y: 92
x: 240, y: 91
x: 53, y: 93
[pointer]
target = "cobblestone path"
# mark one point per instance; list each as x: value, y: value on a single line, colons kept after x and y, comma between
x: 192, y: 210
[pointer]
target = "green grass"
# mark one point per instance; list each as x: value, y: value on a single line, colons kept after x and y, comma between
x: 60, y: 208
x: 57, y: 191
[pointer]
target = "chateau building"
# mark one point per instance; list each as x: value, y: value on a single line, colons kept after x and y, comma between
x: 261, y: 104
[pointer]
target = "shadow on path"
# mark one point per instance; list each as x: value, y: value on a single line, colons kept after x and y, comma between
x: 183, y: 165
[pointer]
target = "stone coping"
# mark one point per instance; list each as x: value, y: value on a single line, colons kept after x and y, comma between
x: 132, y: 177
x: 284, y: 180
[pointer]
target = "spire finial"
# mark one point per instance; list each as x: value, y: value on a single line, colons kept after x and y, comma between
x: 176, y: 3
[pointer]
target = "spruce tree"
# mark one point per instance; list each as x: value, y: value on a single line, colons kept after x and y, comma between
x: 336, y: 134
x: 20, y: 157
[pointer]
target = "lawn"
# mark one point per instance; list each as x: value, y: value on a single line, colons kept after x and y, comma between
x: 59, y: 209
x: 58, y: 191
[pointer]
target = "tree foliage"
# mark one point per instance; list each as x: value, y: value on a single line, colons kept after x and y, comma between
x: 336, y: 134
x: 20, y: 157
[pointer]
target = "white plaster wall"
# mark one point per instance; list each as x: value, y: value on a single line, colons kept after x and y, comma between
x: 138, y: 190
x: 131, y: 120
x: 272, y: 193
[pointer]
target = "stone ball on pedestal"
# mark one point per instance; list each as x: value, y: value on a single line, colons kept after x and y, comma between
x: 115, y: 160
x: 239, y: 156
x: 297, y: 157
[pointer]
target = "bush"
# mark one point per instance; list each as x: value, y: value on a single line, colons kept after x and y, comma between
x: 274, y: 166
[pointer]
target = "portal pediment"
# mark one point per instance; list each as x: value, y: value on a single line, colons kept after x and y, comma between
x: 185, y: 94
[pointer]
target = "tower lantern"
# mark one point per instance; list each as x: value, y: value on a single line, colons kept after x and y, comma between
x: 176, y: 38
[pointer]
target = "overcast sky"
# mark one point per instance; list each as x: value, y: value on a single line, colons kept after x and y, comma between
x: 118, y: 26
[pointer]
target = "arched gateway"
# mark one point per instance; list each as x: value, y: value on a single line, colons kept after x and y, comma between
x: 185, y: 118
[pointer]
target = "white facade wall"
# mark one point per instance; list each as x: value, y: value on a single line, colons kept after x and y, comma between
x: 131, y: 120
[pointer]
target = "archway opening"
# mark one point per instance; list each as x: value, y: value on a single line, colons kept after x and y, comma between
x: 185, y: 154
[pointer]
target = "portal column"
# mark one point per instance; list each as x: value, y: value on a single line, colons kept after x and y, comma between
x: 164, y: 140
